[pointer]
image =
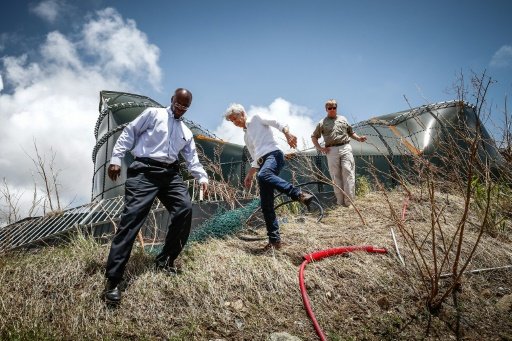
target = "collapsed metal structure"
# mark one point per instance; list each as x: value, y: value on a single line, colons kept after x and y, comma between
x: 393, y: 142
x: 434, y: 132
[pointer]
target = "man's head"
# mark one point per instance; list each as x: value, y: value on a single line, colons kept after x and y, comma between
x: 236, y: 114
x: 180, y: 102
x: 331, y: 106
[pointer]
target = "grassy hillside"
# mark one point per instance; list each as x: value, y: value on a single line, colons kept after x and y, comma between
x: 230, y: 290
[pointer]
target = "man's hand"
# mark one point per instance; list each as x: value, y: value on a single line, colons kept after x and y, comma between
x: 317, y: 145
x: 359, y: 138
x: 113, y: 172
x: 249, y: 177
x: 204, y: 190
x: 324, y: 150
x: 291, y: 139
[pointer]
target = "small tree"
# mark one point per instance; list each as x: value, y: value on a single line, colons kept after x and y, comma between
x: 10, y: 209
x: 465, y: 164
x: 48, y: 174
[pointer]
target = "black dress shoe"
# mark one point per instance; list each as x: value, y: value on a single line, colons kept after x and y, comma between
x: 112, y: 293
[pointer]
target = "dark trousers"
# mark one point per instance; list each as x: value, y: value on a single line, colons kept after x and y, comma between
x: 143, y: 184
x: 268, y: 180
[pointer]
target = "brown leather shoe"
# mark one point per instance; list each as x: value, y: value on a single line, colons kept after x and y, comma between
x: 273, y: 245
x: 306, y: 198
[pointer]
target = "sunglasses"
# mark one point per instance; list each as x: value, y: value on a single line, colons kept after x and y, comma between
x: 331, y: 108
x: 180, y: 107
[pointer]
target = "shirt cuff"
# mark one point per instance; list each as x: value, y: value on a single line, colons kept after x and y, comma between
x: 203, y: 180
x: 254, y: 164
x: 114, y: 160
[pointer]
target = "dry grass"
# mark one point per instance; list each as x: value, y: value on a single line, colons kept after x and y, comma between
x: 230, y: 291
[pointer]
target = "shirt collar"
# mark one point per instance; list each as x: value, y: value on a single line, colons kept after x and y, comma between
x: 169, y: 111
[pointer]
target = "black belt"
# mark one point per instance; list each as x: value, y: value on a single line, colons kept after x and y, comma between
x: 337, y: 144
x: 156, y: 163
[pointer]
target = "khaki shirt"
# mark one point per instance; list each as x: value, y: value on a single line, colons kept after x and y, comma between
x: 335, y: 131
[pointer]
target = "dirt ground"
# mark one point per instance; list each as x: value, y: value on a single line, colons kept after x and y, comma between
x: 231, y: 290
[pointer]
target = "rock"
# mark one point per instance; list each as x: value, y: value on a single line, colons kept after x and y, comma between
x: 401, y: 310
x: 238, y: 304
x: 298, y: 323
x: 239, y: 324
x: 283, y: 336
x: 501, y: 291
x: 383, y: 303
x: 486, y: 293
x: 504, y: 304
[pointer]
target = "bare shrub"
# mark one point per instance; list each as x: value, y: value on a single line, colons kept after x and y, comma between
x: 10, y: 209
x: 48, y: 173
x: 463, y: 164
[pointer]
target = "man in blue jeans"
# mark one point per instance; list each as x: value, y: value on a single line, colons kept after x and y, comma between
x: 267, y: 161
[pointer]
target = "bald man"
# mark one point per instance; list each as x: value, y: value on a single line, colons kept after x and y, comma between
x: 155, y: 138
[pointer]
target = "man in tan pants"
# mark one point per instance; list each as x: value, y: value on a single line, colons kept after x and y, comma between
x: 337, y: 132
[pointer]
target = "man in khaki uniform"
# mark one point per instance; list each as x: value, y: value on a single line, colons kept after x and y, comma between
x: 337, y: 132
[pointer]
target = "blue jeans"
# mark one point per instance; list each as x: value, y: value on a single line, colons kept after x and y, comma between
x: 268, y: 180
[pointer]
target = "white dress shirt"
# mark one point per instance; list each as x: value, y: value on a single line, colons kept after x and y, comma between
x: 258, y: 137
x: 156, y: 134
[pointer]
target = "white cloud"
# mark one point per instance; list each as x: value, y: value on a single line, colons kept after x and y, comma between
x: 1, y: 83
x: 502, y: 57
x: 120, y: 46
x: 54, y: 99
x: 47, y: 10
x: 59, y: 52
x: 297, y: 117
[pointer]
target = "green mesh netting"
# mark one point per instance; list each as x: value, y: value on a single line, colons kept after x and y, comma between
x: 224, y: 222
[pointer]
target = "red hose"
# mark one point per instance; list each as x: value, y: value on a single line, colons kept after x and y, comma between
x: 318, y: 255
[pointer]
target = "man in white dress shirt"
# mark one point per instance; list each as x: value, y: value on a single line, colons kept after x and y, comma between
x: 155, y: 138
x: 267, y: 161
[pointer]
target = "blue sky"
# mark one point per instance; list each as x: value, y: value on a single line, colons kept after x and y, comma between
x: 284, y: 58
